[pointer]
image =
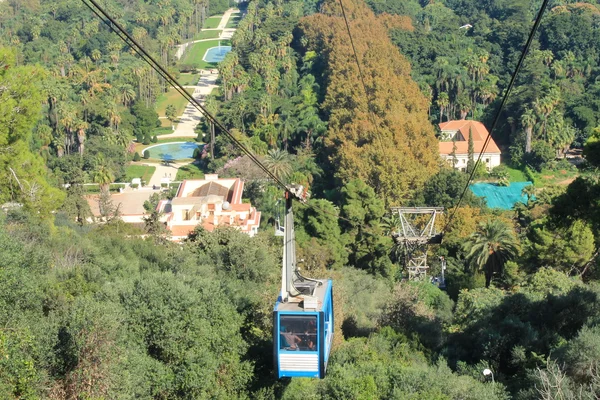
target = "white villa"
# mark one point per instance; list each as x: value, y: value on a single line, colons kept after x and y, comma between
x: 459, y: 132
x: 209, y: 202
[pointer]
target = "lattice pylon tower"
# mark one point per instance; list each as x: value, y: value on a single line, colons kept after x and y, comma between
x: 416, y: 240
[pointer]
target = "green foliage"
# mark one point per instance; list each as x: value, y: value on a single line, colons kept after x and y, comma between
x: 385, y: 367
x: 419, y: 309
x: 567, y: 249
x: 541, y: 154
x: 136, y: 156
x: 319, y: 237
x: 368, y: 246
x: 146, y: 154
x: 490, y: 247
x: 444, y: 189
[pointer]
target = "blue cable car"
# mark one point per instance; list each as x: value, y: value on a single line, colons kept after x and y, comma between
x: 303, y: 315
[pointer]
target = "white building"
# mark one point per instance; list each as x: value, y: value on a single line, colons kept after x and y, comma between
x: 209, y: 202
x: 457, y: 132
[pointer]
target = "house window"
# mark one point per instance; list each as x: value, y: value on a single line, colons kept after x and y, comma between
x: 487, y: 160
x: 464, y: 161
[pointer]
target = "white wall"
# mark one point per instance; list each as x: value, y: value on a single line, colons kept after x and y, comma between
x: 490, y: 160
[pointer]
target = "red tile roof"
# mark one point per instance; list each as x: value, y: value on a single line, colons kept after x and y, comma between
x: 480, y: 133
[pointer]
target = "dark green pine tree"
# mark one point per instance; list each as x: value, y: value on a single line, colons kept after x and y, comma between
x: 453, y: 154
x: 471, y: 150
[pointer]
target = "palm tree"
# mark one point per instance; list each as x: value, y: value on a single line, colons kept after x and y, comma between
x: 102, y: 175
x: 278, y: 162
x: 528, y: 119
x: 126, y: 94
x: 490, y: 247
x: 81, y: 126
x: 442, y: 102
x: 392, y: 225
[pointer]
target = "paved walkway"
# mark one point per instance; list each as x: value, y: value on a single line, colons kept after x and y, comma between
x: 226, y: 17
x: 226, y: 34
x: 191, y: 116
x: 163, y: 171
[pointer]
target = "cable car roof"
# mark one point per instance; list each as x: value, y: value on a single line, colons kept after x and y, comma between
x: 307, y: 288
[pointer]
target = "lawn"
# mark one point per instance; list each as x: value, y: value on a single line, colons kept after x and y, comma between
x: 171, y: 97
x: 212, y: 22
x: 164, y: 124
x: 545, y: 178
x: 207, y: 34
x: 555, y: 177
x: 188, y: 79
x: 195, y: 54
x: 516, y: 175
x: 190, y: 171
x: 139, y: 171
x: 165, y: 130
x: 234, y: 20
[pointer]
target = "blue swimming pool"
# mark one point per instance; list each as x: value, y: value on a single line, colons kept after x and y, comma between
x: 173, y: 151
x: 216, y: 54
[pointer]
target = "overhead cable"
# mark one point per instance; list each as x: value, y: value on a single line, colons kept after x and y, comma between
x: 126, y: 37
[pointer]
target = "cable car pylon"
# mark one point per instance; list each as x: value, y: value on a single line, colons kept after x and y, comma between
x: 414, y: 239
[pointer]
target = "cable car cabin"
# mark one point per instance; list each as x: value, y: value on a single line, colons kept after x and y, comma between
x: 303, y: 331
x: 303, y: 314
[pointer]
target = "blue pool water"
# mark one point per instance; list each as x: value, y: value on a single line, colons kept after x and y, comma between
x: 216, y: 54
x: 173, y: 151
x: 503, y: 197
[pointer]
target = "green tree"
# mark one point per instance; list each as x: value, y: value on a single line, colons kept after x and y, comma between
x: 170, y: 113
x: 490, y: 247
x: 368, y: 246
x: 470, y: 152
x: 279, y: 163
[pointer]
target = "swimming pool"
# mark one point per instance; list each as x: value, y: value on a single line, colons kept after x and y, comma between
x: 216, y: 54
x: 173, y: 151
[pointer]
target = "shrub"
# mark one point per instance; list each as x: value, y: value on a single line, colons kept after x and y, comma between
x: 500, y: 172
x: 529, y: 174
x: 146, y: 154
x: 135, y: 185
x: 154, y: 139
x: 136, y: 156
x: 197, y: 153
x: 116, y: 186
x: 503, y: 182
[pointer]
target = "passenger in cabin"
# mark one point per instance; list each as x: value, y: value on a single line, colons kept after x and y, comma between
x: 290, y: 339
x: 310, y: 333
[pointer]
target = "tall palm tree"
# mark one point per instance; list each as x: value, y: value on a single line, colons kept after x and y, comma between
x: 81, y: 127
x: 442, y: 102
x: 490, y: 247
x: 528, y: 119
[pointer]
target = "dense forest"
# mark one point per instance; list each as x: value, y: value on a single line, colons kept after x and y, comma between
x: 99, y: 310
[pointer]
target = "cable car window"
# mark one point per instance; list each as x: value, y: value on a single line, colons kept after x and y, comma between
x: 298, y: 332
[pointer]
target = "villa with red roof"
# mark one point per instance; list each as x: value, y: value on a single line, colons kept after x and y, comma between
x: 457, y: 132
x: 209, y: 202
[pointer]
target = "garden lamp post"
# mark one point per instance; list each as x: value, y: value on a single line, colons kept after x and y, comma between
x: 488, y: 372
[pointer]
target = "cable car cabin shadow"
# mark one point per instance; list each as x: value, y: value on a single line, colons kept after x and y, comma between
x: 303, y: 331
